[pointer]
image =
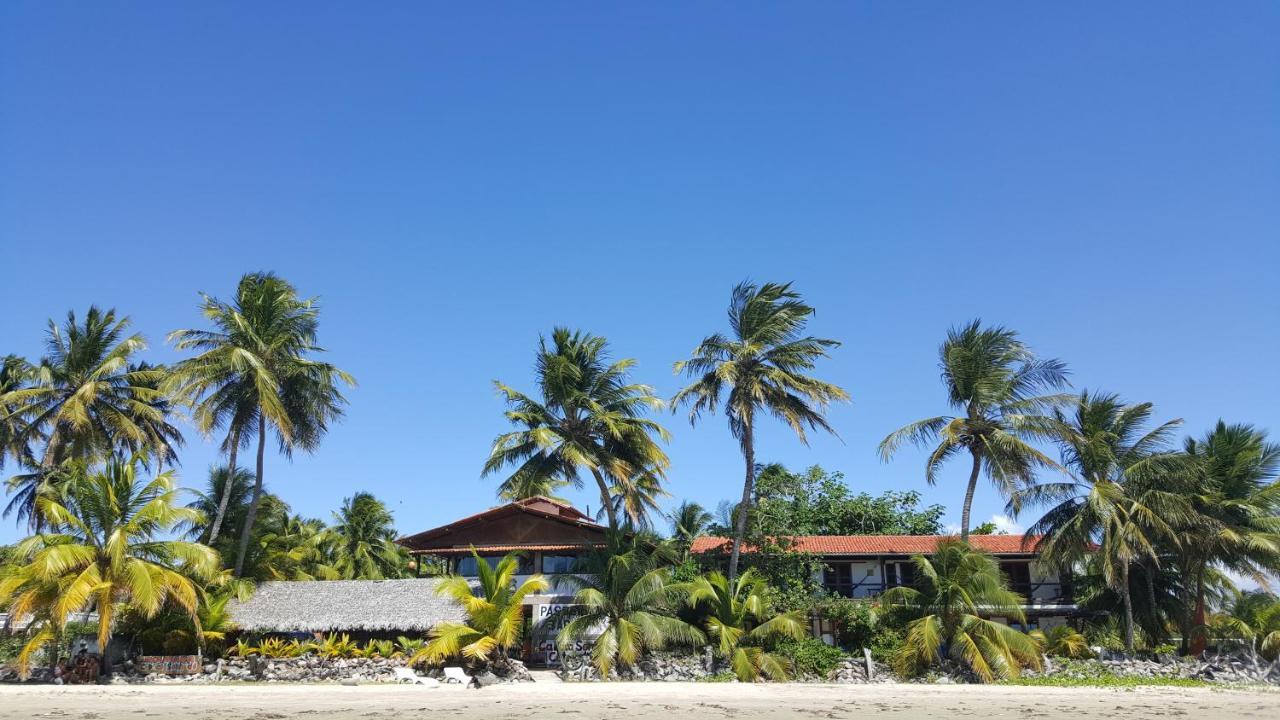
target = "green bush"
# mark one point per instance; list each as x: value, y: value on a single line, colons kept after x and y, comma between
x: 810, y: 656
x: 885, y: 644
x: 855, y: 621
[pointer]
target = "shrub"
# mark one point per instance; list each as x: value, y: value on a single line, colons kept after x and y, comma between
x: 811, y: 656
x: 855, y: 621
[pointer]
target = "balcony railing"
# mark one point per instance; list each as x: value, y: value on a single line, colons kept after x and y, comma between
x: 1042, y: 593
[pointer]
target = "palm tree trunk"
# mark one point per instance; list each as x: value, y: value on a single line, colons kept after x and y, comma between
x: 226, y: 486
x: 1128, y: 607
x: 968, y: 496
x: 253, y: 501
x: 607, y: 501
x: 740, y: 522
x: 1199, y: 642
x: 1152, y: 610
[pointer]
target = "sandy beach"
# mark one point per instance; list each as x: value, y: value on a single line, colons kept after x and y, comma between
x: 636, y: 701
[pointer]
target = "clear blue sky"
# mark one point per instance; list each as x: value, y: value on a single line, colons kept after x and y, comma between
x: 453, y: 181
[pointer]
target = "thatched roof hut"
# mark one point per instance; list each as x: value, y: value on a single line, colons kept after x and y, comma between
x: 345, y: 605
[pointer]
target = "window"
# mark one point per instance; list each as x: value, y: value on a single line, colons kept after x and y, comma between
x: 559, y: 563
x: 838, y: 578
x: 1019, y: 576
x: 467, y: 564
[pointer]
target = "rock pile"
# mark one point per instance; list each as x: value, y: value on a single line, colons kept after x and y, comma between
x: 312, y: 668
x: 1215, y: 668
x: 854, y: 670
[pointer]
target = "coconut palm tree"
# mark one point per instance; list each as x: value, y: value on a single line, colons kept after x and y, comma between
x: 1116, y: 499
x: 285, y: 546
x: 1235, y: 498
x: 15, y: 373
x: 624, y: 604
x: 103, y: 549
x: 590, y: 419
x: 761, y: 368
x: 956, y: 591
x: 223, y: 483
x: 88, y: 398
x: 636, y: 502
x: 689, y: 521
x: 1062, y: 641
x: 254, y: 371
x: 364, y: 540
x: 495, y: 615
x: 742, y: 624
x: 995, y: 380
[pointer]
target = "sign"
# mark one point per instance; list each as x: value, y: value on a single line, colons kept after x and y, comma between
x: 169, y: 664
x: 548, y: 621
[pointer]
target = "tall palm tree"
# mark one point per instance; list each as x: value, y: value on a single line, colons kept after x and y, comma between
x: 742, y: 624
x: 761, y: 368
x: 956, y: 590
x: 626, y: 599
x: 88, y: 398
x: 364, y: 536
x: 254, y: 371
x: 103, y: 549
x: 1116, y: 499
x: 590, y: 419
x: 996, y: 381
x: 223, y: 484
x: 495, y: 614
x: 1235, y: 496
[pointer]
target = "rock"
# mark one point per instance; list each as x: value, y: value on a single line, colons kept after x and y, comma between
x: 485, y: 679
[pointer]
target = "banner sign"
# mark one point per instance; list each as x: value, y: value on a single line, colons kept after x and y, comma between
x: 169, y: 664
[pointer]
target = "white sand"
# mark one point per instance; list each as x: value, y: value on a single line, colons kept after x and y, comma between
x: 634, y: 701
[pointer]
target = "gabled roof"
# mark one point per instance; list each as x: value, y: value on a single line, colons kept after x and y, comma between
x: 345, y: 605
x: 883, y: 544
x: 538, y: 506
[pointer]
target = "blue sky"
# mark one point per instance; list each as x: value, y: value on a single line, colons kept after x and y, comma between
x: 453, y: 181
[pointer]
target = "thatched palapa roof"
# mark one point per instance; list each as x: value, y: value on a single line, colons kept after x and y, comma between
x: 345, y: 605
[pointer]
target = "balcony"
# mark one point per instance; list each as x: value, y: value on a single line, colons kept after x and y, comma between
x: 1040, y: 594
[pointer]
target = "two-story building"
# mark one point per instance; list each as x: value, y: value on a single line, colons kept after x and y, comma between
x: 547, y: 535
x: 863, y: 566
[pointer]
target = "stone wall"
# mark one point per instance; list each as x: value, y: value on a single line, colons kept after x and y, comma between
x: 311, y: 668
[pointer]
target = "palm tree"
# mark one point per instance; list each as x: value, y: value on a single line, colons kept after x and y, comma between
x: 1062, y: 641
x: 689, y: 522
x: 529, y: 486
x: 590, y: 419
x: 364, y: 536
x: 995, y: 380
x: 955, y: 591
x: 103, y: 549
x: 495, y: 615
x: 636, y: 501
x: 740, y: 620
x: 88, y: 398
x: 1116, y: 499
x: 15, y: 373
x: 223, y: 485
x: 626, y: 596
x: 290, y: 547
x: 761, y: 368
x: 254, y: 371
x: 1235, y: 497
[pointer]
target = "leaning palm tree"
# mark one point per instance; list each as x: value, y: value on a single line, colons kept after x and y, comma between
x: 742, y: 624
x: 590, y: 419
x: 762, y: 368
x: 364, y: 540
x: 253, y: 371
x: 1235, y: 498
x: 625, y: 604
x: 995, y: 380
x: 1117, y: 499
x: 104, y: 549
x: 956, y: 591
x: 495, y: 615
